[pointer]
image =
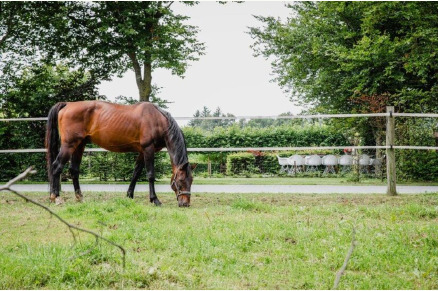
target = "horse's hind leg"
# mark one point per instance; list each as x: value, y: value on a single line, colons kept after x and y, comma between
x: 139, y: 165
x: 59, y: 163
x: 75, y: 163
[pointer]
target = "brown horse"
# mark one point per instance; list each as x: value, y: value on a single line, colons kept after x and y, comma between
x: 142, y: 128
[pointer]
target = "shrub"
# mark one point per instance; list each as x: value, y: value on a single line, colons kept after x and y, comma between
x: 240, y: 163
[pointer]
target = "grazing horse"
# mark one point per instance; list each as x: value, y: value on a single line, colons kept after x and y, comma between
x: 143, y: 128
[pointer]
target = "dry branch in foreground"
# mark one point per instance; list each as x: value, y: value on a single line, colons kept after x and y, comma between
x: 347, y: 258
x: 98, y: 237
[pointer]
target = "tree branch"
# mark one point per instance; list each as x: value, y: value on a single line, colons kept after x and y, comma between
x: 23, y: 175
x: 347, y: 258
x: 170, y: 4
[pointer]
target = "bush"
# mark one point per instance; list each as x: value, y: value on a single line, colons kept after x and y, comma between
x: 414, y: 165
x: 119, y: 166
x: 240, y: 163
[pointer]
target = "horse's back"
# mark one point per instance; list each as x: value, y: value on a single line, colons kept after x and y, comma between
x: 115, y: 127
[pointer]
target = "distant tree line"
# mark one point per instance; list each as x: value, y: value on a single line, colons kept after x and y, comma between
x: 209, y: 124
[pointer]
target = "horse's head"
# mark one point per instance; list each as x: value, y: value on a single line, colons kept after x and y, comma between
x: 181, y: 183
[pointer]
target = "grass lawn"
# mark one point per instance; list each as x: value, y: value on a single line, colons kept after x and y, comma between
x: 233, y: 241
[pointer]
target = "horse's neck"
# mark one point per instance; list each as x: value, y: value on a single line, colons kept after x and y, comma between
x: 177, y: 154
x: 175, y: 143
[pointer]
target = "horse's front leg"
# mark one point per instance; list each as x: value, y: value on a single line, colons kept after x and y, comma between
x: 149, y: 154
x: 139, y: 165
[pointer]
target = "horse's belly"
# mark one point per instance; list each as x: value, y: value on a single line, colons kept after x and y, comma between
x: 116, y: 145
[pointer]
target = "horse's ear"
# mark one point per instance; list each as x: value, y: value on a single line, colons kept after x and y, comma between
x: 193, y: 166
x: 184, y: 167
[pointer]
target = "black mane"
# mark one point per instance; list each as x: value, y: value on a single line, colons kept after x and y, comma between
x: 175, y: 142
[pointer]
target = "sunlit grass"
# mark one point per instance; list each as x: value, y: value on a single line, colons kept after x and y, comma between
x: 224, y: 241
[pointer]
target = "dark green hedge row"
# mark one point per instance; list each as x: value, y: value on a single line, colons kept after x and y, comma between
x: 105, y: 166
x: 413, y: 165
x: 281, y: 136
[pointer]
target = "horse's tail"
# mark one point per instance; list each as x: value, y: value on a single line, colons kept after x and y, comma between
x: 52, y: 136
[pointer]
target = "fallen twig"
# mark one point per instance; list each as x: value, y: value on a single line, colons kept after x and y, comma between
x: 23, y: 175
x: 347, y: 258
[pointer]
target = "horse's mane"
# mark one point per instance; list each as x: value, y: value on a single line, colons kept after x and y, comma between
x: 176, y: 144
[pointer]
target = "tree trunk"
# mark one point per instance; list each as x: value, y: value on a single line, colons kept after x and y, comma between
x: 144, y: 83
x: 146, y: 88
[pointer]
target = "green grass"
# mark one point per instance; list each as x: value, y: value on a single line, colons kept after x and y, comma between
x: 265, y: 181
x: 233, y: 241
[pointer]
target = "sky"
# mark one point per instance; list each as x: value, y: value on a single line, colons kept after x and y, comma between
x: 228, y: 75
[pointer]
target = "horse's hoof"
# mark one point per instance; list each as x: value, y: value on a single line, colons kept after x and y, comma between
x: 157, y: 202
x: 52, y: 198
x: 79, y: 198
x: 59, y: 201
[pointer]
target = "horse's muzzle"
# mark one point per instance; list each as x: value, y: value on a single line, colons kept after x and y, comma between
x: 184, y: 201
x: 183, y: 198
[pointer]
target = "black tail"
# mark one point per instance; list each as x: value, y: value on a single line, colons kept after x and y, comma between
x: 52, y: 136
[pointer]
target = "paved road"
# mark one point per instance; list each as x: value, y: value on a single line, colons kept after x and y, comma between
x: 319, y: 189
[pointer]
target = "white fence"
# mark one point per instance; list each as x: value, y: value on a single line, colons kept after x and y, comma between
x: 390, y: 116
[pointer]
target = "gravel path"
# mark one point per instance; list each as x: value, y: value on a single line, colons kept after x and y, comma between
x: 318, y: 189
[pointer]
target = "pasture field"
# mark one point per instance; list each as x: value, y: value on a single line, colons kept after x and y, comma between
x: 224, y: 241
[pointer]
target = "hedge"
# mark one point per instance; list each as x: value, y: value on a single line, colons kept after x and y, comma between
x: 281, y: 136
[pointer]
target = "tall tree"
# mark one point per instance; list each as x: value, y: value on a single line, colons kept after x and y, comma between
x: 331, y: 54
x: 105, y: 38
x: 113, y: 37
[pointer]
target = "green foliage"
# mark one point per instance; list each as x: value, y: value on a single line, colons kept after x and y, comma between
x: 414, y: 164
x: 281, y: 136
x: 142, y: 36
x: 329, y: 53
x: 108, y: 166
x: 32, y: 94
x: 105, y: 38
x: 239, y: 163
x: 358, y: 57
x: 278, y: 136
x: 272, y: 122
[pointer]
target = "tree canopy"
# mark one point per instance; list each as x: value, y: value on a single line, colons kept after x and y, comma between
x: 104, y: 38
x: 335, y: 54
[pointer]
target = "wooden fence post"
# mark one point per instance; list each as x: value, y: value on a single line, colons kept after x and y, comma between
x: 209, y: 167
x: 390, y: 152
